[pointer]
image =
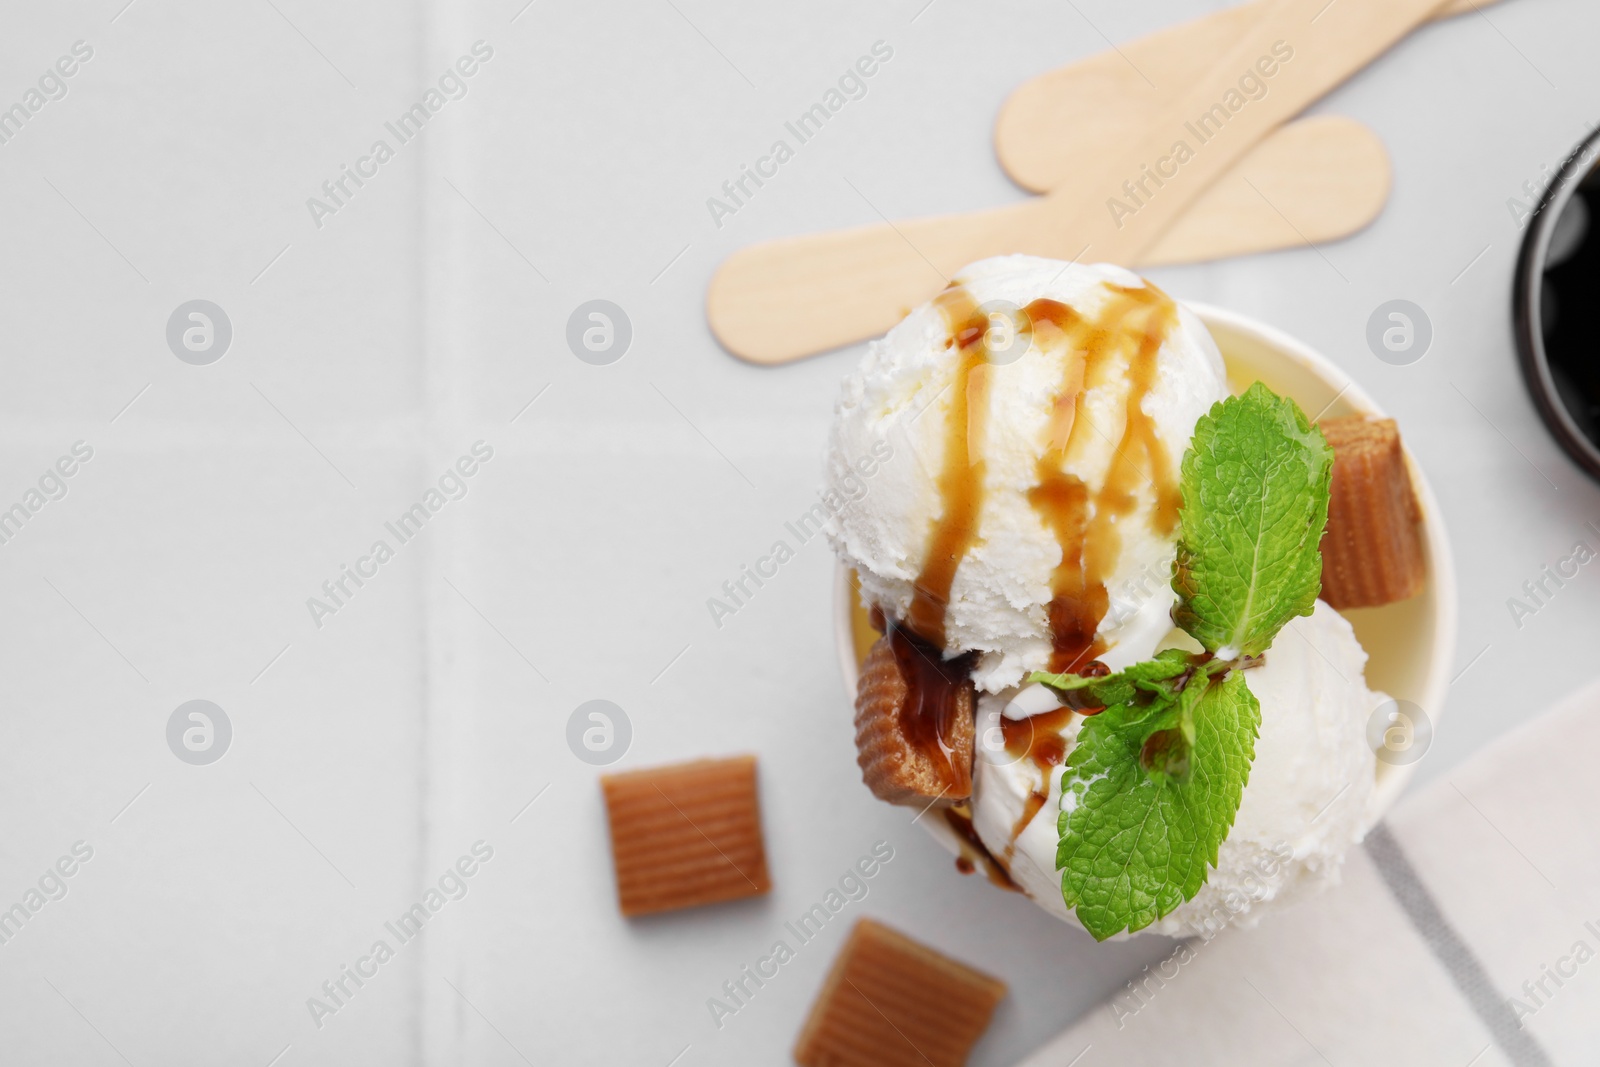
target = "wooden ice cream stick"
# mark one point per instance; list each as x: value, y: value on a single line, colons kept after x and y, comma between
x: 1044, y: 126
x: 798, y: 296
x: 1316, y: 179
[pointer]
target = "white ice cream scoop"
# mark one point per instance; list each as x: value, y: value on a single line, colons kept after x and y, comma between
x: 1035, y: 417
x: 1305, y: 805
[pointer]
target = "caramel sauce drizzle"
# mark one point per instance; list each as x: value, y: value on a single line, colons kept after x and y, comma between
x: 1132, y: 326
x: 1037, y: 739
x: 974, y: 851
x: 961, y: 476
x: 1122, y: 341
x: 934, y: 687
x: 934, y: 683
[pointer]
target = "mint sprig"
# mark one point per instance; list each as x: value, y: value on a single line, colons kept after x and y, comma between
x: 1153, y: 782
x: 1139, y: 839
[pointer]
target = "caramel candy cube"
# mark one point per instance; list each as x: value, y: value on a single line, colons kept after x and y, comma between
x: 891, y: 1002
x: 686, y: 835
x: 1372, y: 550
x: 914, y: 724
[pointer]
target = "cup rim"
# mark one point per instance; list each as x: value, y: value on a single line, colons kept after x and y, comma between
x: 1392, y: 779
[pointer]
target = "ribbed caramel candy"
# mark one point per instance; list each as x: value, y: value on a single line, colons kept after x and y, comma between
x: 914, y: 724
x: 686, y: 835
x: 1372, y: 551
x: 892, y: 1002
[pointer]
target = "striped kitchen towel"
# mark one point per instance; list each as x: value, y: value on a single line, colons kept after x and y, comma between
x: 1467, y: 931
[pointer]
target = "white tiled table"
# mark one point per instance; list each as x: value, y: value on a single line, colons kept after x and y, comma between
x: 368, y: 354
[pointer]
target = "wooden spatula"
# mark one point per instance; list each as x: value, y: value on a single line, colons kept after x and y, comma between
x: 1045, y: 124
x: 799, y: 296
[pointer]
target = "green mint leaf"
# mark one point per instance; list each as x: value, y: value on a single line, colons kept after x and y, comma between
x: 1145, y: 821
x: 1255, y: 500
x: 1165, y: 753
x: 1062, y: 683
x: 1120, y: 687
x: 1164, y: 666
x: 1190, y: 698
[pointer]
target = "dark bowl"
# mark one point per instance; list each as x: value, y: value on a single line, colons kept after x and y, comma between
x: 1557, y: 336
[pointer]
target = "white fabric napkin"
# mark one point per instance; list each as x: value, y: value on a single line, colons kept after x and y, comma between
x: 1466, y: 931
